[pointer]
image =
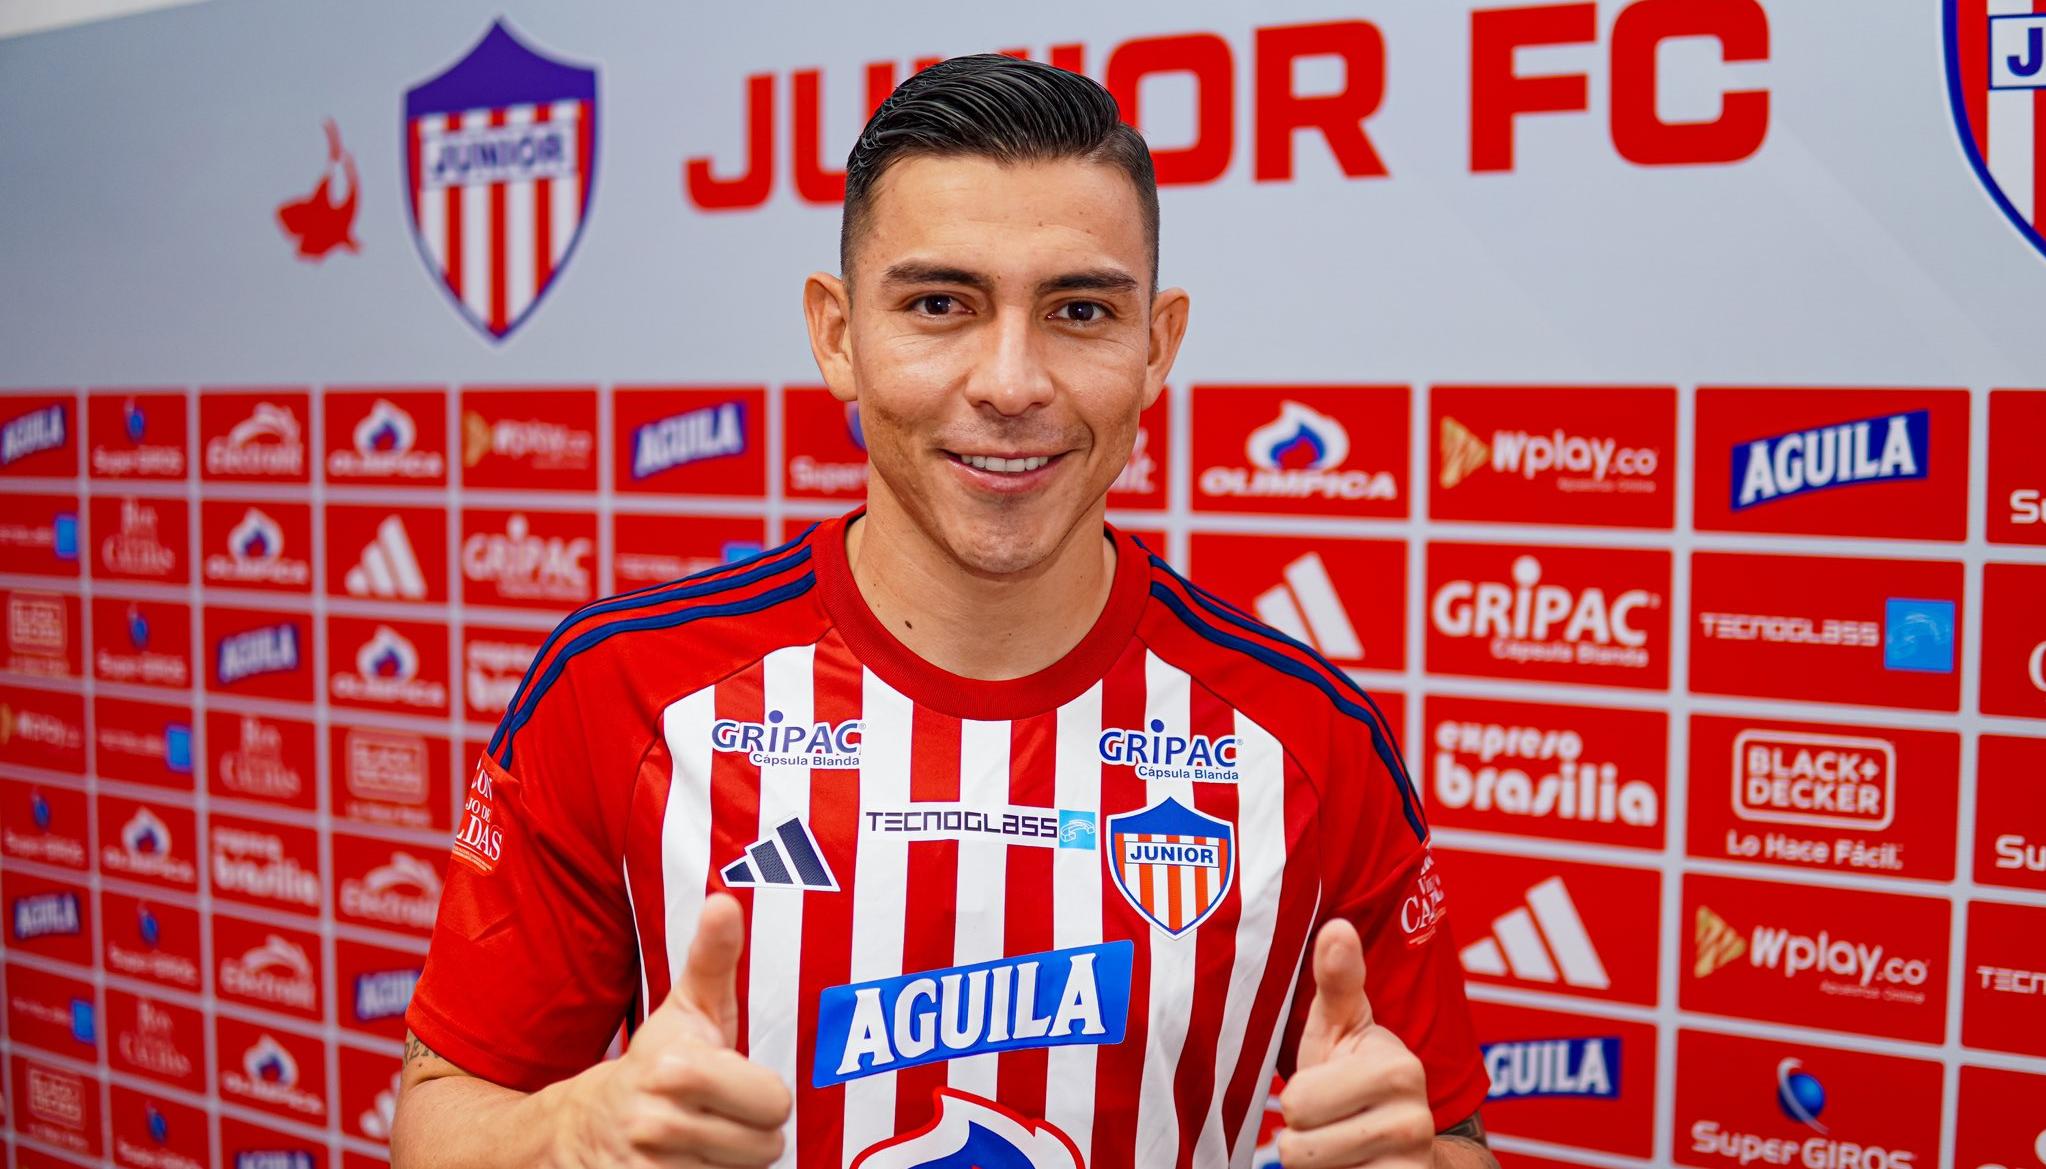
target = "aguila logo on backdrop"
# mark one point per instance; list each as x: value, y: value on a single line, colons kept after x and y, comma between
x: 1995, y: 108
x: 500, y: 156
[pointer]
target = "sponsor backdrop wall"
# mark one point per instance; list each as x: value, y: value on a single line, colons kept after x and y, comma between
x: 1644, y: 398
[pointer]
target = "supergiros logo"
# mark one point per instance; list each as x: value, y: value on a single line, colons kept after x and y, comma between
x: 1757, y: 1103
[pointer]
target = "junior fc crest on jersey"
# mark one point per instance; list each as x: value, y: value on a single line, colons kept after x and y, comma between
x: 1173, y: 863
x: 500, y: 156
x: 1996, y: 80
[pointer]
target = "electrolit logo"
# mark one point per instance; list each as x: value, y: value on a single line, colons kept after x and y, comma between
x: 1871, y: 450
x: 1157, y: 755
x: 691, y: 437
x: 267, y: 442
x: 788, y: 744
x: 1297, y: 455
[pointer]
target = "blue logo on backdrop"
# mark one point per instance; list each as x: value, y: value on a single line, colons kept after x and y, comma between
x: 64, y: 534
x: 1525, y: 1068
x: 271, y: 649
x: 689, y: 437
x: 1076, y: 829
x: 43, y: 914
x: 274, y: 1159
x: 383, y: 994
x: 83, y: 1028
x: 1050, y: 999
x: 1871, y: 450
x: 1799, y: 1094
x: 1918, y: 635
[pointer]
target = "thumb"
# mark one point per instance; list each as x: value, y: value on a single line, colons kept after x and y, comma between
x: 1341, y: 1009
x: 710, y: 974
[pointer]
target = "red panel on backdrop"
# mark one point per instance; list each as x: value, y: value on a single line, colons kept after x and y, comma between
x: 39, y: 436
x: 1809, y: 795
x: 133, y: 434
x: 276, y: 1069
x: 245, y: 545
x: 156, y: 1039
x: 140, y: 538
x: 1345, y: 598
x: 1999, y: 1119
x: 649, y: 549
x: 261, y: 436
x: 369, y: 1091
x: 373, y: 986
x: 144, y: 742
x: 39, y: 535
x: 265, y: 865
x: 385, y: 885
x: 1301, y: 450
x: 43, y: 634
x: 45, y: 823
x: 43, y: 728
x: 380, y: 775
x: 390, y: 438
x: 154, y: 842
x: 259, y: 653
x: 390, y: 665
x: 52, y: 1011
x: 528, y: 558
x: 56, y: 1106
x: 2010, y: 812
x: 379, y: 553
x: 1827, y: 629
x: 1592, y: 615
x: 1600, y: 456
x: 1595, y: 774
x: 1888, y: 464
x: 142, y: 642
x: 150, y: 939
x: 48, y: 918
x: 1555, y: 925
x: 690, y: 441
x: 530, y: 439
x: 267, y: 964
x: 1569, y: 1078
x: 825, y: 451
x: 1815, y: 956
x: 2014, y: 640
x: 152, y: 1131
x: 2003, y: 986
x: 244, y: 1143
x: 260, y: 757
x: 2017, y: 482
x: 1745, y: 1102
x: 494, y: 661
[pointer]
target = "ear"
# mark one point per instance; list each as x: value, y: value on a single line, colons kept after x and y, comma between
x: 1168, y: 328
x: 827, y: 308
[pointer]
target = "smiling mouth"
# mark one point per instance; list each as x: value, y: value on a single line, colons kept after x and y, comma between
x: 1004, y: 466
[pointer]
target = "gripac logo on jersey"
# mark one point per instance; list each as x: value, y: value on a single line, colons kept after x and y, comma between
x: 690, y: 440
x: 1600, y: 456
x: 1154, y: 753
x: 1874, y: 632
x: 1079, y: 995
x: 1593, y: 615
x: 776, y: 741
x: 1751, y: 1103
x: 507, y: 136
x: 1312, y: 450
x: 969, y: 1130
x: 1563, y: 772
x: 254, y: 438
x: 1811, y: 795
x: 2010, y: 818
x: 1871, y: 963
x: 1343, y: 598
x: 1841, y: 462
x: 394, y: 437
x: 525, y: 440
x: 2017, y: 484
x: 136, y: 436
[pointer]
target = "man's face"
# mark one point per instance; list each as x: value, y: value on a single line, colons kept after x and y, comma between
x: 1001, y: 341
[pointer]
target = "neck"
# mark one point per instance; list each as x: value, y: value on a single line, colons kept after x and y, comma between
x: 974, y: 625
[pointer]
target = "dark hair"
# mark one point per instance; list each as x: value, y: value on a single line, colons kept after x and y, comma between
x: 1002, y: 108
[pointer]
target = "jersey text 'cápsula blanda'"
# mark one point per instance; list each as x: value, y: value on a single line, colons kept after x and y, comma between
x: 1057, y: 921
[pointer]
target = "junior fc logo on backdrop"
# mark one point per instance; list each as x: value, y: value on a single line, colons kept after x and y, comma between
x: 500, y: 154
x: 1996, y: 72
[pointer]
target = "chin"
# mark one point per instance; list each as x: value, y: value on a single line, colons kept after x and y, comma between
x: 999, y: 548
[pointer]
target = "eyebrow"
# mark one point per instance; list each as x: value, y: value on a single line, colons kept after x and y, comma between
x: 1085, y: 280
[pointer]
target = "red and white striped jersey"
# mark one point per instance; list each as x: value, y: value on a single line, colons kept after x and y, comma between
x: 1059, y: 920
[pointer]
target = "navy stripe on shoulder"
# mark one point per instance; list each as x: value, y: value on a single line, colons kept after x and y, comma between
x: 1388, y: 754
x: 763, y: 565
x: 789, y: 590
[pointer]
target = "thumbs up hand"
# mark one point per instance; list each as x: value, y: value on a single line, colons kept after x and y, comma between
x: 1359, y: 1097
x: 681, y: 1096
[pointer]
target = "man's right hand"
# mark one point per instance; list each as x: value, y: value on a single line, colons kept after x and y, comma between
x: 681, y: 1096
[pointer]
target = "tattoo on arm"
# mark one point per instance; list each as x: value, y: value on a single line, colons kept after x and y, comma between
x: 1472, y: 1129
x: 415, y: 1051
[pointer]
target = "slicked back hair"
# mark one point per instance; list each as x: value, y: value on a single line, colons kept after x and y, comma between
x: 1009, y: 110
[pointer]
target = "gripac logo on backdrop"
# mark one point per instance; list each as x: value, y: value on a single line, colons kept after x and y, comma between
x: 1500, y: 96
x: 1592, y: 615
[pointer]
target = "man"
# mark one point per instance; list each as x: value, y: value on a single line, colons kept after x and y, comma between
x: 959, y: 831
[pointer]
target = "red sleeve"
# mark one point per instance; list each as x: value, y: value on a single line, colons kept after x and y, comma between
x: 533, y: 963
x: 1380, y: 875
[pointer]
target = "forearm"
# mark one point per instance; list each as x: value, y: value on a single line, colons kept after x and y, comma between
x: 455, y: 1121
x: 1454, y: 1150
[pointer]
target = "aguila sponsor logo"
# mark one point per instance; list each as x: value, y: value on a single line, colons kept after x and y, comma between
x: 387, y: 670
x: 1844, y: 967
x: 255, y: 864
x: 1299, y: 455
x: 278, y: 971
x: 383, y: 448
x: 34, y: 432
x: 404, y: 891
x: 711, y: 432
x: 529, y: 567
x: 1870, y: 450
x: 1564, y: 785
x: 256, y: 765
x: 383, y: 994
x: 269, y: 1074
x: 1802, y: 1100
x: 43, y: 915
x: 544, y: 446
x: 1528, y: 621
x: 1524, y: 1069
x: 268, y: 442
x: 789, y: 744
x: 255, y: 555
x: 1577, y: 463
x: 271, y: 649
x: 1156, y: 754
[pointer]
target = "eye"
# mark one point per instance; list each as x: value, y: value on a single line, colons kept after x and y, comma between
x: 1082, y: 312
x: 937, y: 304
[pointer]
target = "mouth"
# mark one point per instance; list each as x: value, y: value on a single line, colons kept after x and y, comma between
x: 1008, y: 472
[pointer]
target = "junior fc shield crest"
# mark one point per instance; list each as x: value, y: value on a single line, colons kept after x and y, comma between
x: 1996, y: 81
x: 500, y: 156
x: 1173, y: 863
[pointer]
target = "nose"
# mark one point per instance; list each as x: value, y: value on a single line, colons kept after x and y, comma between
x: 1011, y: 376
